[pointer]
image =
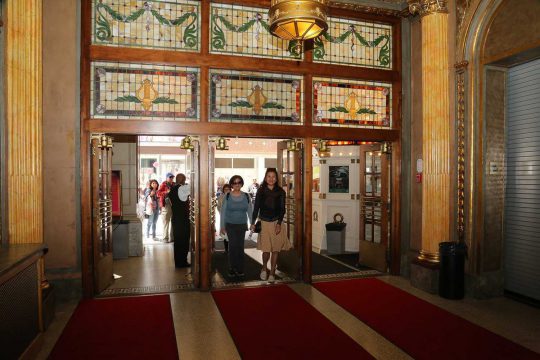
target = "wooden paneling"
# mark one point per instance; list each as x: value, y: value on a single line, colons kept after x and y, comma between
x: 23, y: 87
x: 142, y: 127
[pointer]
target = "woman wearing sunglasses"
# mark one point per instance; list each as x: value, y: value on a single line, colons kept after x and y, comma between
x: 235, y: 211
x: 270, y: 209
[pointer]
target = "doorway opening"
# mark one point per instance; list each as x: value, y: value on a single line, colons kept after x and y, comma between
x: 249, y: 158
x: 136, y: 250
x: 350, y: 209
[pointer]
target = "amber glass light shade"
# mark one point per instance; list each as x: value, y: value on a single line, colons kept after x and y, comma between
x: 298, y: 19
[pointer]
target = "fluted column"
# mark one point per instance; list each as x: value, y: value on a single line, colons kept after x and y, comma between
x: 436, y: 127
x: 23, y: 49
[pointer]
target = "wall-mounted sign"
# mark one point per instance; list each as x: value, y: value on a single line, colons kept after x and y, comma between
x: 338, y: 179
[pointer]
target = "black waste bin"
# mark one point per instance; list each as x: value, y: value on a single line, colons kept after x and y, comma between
x: 452, y: 270
x: 335, y: 236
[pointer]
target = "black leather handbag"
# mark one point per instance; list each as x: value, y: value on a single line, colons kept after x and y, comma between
x: 258, y: 227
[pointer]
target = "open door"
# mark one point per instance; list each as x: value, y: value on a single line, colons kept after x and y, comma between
x: 289, y: 161
x: 101, y: 150
x: 192, y: 171
x: 374, y: 205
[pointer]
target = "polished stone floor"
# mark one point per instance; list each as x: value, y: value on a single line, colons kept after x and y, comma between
x: 195, y: 313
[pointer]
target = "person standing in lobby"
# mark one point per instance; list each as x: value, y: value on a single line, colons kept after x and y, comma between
x: 165, y: 204
x: 270, y: 209
x: 235, y: 213
x: 179, y: 196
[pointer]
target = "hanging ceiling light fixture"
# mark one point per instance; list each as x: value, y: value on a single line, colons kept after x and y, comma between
x: 298, y: 19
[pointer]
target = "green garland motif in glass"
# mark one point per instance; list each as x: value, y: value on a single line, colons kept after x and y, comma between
x: 268, y: 105
x: 360, y: 111
x: 218, y: 36
x: 104, y: 32
x: 384, y: 54
x: 134, y: 99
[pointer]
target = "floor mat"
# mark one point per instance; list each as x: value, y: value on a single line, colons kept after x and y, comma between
x: 421, y: 329
x: 274, y: 322
x: 252, y: 269
x: 120, y: 328
x: 350, y: 259
x: 321, y: 265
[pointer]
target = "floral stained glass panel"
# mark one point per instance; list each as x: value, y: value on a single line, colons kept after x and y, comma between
x: 244, y: 31
x: 147, y: 24
x: 255, y: 97
x: 354, y: 42
x: 339, y: 102
x: 144, y: 91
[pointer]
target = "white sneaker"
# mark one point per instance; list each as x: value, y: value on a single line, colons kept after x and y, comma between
x: 264, y: 274
x: 271, y: 279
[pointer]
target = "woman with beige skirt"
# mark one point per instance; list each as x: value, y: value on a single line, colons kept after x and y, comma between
x: 270, y: 209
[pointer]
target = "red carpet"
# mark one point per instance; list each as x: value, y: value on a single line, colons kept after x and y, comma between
x: 121, y: 328
x: 421, y: 329
x: 274, y: 322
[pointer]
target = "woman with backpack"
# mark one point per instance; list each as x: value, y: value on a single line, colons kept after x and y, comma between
x: 235, y: 212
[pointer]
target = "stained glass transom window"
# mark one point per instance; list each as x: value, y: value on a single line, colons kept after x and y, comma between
x: 144, y: 91
x: 245, y: 31
x: 353, y: 42
x: 338, y: 102
x: 147, y: 24
x: 255, y: 97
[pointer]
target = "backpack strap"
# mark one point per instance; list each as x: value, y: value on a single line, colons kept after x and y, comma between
x: 247, y: 197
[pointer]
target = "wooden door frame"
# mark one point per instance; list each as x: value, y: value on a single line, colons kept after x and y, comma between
x: 203, y: 128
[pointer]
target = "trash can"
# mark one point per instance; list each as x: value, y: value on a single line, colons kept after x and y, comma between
x: 452, y: 270
x: 335, y: 236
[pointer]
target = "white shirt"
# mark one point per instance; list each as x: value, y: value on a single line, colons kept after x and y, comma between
x: 184, y: 191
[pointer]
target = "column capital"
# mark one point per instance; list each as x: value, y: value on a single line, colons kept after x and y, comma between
x: 427, y: 7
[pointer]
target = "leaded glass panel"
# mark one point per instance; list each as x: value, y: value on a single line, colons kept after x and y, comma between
x: 354, y: 42
x: 342, y: 102
x: 144, y: 91
x: 244, y: 31
x: 147, y: 24
x: 255, y: 97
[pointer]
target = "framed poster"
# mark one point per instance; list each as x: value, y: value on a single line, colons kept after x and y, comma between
x: 338, y: 179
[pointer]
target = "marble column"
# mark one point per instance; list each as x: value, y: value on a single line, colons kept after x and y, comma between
x: 23, y: 47
x: 436, y: 126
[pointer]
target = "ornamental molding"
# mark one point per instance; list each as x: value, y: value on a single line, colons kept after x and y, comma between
x: 367, y: 9
x: 427, y: 7
x: 462, y: 65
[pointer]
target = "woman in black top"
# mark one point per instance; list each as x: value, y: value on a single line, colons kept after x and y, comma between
x: 270, y: 209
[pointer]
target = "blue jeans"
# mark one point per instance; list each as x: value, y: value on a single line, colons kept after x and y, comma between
x: 152, y: 221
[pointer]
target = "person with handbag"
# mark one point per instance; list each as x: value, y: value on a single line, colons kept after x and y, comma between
x: 270, y: 209
x: 235, y: 212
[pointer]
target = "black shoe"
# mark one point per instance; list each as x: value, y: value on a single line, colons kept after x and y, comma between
x: 238, y: 273
x: 231, y: 273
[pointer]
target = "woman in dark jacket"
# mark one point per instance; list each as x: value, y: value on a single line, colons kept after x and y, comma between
x: 270, y: 209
